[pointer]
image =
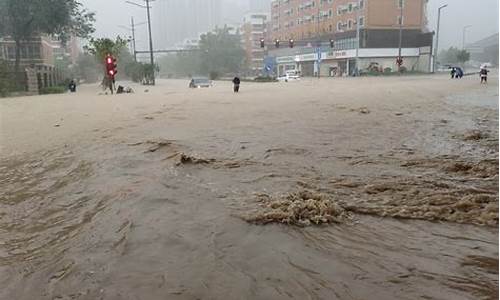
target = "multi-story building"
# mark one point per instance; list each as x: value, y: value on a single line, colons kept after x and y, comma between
x: 39, y: 57
x: 39, y: 50
x: 259, y: 5
x: 316, y: 25
x: 177, y: 20
x: 36, y: 50
x: 254, y: 29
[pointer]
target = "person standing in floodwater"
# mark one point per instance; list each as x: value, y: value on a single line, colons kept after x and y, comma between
x: 236, y: 82
x: 484, y: 75
x: 453, y: 72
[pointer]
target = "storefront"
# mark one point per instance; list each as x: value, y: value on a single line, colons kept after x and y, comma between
x: 343, y: 62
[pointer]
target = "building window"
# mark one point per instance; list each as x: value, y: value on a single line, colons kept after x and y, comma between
x: 361, y: 4
x: 401, y: 3
x: 361, y: 21
x: 330, y: 27
x: 401, y: 20
x: 339, y: 26
x: 350, y: 23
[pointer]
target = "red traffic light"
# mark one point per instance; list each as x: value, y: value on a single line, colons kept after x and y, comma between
x: 111, y: 66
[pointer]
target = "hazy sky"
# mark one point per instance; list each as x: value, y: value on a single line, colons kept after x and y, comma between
x: 481, y: 14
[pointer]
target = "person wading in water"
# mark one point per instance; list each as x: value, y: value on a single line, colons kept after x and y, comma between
x: 236, y: 82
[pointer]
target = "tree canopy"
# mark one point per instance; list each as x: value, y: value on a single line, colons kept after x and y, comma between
x: 23, y: 19
x: 103, y: 46
x: 454, y: 55
x: 219, y: 52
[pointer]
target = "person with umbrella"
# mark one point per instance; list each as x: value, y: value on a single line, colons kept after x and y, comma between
x: 236, y: 82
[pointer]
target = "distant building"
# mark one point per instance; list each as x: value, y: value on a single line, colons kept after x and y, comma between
x: 314, y: 23
x: 36, y: 50
x: 177, y: 20
x: 39, y: 57
x: 259, y: 5
x: 41, y: 50
x: 254, y: 29
x: 485, y: 50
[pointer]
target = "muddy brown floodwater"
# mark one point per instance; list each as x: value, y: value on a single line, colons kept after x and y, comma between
x: 203, y: 194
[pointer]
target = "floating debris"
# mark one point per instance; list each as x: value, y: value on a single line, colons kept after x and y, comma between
x: 302, y: 208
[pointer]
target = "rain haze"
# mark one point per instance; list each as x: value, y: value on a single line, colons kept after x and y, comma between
x: 481, y: 15
x: 258, y: 149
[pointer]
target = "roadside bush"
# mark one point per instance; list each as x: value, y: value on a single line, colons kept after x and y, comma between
x: 53, y: 90
x: 6, y: 82
x: 213, y: 75
x: 265, y: 79
x: 387, y: 70
x: 403, y: 69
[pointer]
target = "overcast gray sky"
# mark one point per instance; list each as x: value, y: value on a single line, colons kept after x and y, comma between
x: 481, y: 14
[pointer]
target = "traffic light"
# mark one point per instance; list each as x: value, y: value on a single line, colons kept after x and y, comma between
x: 111, y: 66
x: 262, y: 43
x: 277, y: 43
x: 332, y: 43
x: 115, y: 66
x: 291, y: 42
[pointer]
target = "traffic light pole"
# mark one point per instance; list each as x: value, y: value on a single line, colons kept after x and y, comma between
x: 357, y: 40
x: 151, y: 44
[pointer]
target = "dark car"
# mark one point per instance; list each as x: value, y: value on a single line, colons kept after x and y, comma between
x: 200, y: 83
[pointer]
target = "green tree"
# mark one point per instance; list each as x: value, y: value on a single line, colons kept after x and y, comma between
x: 23, y: 19
x: 87, y: 68
x: 454, y: 55
x: 463, y: 56
x: 99, y: 48
x: 221, y: 52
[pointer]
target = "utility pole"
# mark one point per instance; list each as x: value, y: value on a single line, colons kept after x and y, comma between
x: 401, y: 5
x: 151, y: 51
x: 357, y: 39
x: 436, y: 53
x: 463, y: 37
x: 133, y: 38
x: 151, y: 44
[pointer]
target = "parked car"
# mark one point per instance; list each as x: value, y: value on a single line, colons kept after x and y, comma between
x: 197, y: 83
x: 289, y: 76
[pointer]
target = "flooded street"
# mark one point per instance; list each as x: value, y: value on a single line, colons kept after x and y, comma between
x: 162, y: 194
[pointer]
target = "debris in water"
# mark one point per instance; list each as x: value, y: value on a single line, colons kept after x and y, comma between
x: 301, y: 208
x: 362, y: 110
x: 475, y: 135
x: 189, y: 159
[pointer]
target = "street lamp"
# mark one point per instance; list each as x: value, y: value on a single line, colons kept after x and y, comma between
x: 151, y: 54
x: 463, y: 37
x: 436, y: 53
